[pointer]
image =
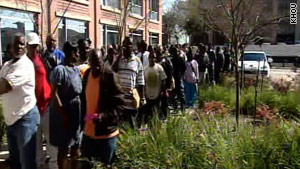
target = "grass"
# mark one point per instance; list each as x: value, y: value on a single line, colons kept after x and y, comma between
x: 211, y: 142
x: 288, y: 103
x: 205, y: 141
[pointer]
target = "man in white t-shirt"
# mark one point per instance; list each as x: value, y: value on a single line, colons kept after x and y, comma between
x: 143, y: 53
x: 155, y: 83
x: 17, y: 92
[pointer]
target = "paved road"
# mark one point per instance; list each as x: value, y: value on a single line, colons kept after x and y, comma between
x: 286, y: 74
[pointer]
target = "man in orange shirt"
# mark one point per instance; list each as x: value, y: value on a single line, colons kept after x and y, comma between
x: 104, y: 103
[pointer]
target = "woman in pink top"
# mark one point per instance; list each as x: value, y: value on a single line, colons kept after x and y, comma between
x: 191, y: 77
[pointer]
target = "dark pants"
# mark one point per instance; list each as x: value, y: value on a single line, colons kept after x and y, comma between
x: 149, y: 110
x: 179, y: 91
x: 103, y: 149
x: 218, y: 76
x: 21, y: 137
x: 211, y: 74
x: 164, y: 106
x: 131, y: 116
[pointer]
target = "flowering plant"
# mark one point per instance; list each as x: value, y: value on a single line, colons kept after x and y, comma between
x: 265, y: 112
x: 215, y: 107
x: 281, y: 85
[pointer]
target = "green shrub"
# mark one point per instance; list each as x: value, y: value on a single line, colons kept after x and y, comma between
x: 217, y: 93
x: 211, y: 142
x: 287, y: 103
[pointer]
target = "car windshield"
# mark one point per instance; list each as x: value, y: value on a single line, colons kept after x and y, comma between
x: 254, y: 57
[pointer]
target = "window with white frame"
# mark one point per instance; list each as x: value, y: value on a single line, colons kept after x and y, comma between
x: 154, y: 9
x: 137, y: 7
x: 136, y: 36
x: 110, y: 35
x: 13, y: 21
x: 71, y: 30
x: 154, y: 39
x: 112, y: 3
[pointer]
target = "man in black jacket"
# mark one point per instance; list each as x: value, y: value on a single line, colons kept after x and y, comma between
x: 178, y: 72
x: 211, y: 65
x: 167, y: 65
x: 219, y: 64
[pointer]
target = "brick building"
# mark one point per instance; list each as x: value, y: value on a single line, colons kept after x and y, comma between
x: 74, y: 19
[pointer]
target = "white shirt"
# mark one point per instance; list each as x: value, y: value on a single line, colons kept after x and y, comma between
x: 144, y: 58
x: 154, y: 77
x: 21, y: 99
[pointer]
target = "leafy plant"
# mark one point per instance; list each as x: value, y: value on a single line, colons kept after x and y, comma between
x: 215, y: 108
x: 265, y: 112
x: 211, y: 142
x: 281, y: 85
x: 225, y: 95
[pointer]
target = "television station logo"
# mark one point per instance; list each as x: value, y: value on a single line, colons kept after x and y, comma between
x: 293, y: 13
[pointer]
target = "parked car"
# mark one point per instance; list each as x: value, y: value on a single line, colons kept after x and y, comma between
x: 254, y: 61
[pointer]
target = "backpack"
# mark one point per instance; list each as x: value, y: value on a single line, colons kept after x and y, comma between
x: 168, y: 68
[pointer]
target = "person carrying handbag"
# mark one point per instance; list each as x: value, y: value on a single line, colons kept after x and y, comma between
x: 191, y: 77
x: 131, y: 77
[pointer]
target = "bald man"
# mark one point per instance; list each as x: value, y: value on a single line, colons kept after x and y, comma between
x: 17, y: 92
x: 52, y: 56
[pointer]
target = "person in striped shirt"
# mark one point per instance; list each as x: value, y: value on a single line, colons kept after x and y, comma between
x: 131, y: 76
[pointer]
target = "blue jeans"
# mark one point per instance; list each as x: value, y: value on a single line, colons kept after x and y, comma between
x: 21, y: 137
x: 190, y: 93
x: 102, y: 149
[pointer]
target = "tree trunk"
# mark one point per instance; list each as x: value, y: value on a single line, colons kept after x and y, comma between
x: 237, y: 78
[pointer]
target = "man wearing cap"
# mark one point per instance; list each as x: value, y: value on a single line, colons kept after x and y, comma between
x: 17, y: 92
x: 43, y: 95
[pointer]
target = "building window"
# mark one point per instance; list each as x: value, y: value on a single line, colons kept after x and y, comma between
x: 137, y: 37
x: 137, y: 7
x: 110, y: 35
x: 154, y: 9
x: 71, y: 30
x: 13, y: 21
x: 154, y: 39
x: 112, y: 3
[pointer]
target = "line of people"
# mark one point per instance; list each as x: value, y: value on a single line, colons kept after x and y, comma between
x: 76, y: 99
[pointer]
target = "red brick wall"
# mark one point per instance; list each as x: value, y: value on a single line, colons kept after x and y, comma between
x: 83, y: 10
x: 132, y: 21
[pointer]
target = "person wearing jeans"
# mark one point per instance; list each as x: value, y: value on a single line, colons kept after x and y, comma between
x: 103, y: 103
x: 43, y: 95
x: 17, y: 91
x: 21, y: 137
x: 191, y: 78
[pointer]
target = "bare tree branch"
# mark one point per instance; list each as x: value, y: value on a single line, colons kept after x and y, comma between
x: 60, y: 19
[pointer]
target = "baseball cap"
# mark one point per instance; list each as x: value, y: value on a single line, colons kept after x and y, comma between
x: 33, y: 39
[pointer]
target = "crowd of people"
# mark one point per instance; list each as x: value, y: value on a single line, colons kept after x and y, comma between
x: 74, y: 100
